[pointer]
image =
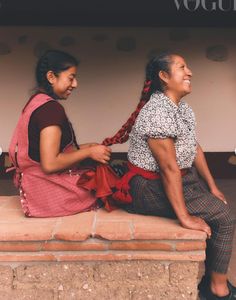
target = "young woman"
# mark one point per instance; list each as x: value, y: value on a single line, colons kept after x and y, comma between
x: 44, y: 150
x: 168, y: 174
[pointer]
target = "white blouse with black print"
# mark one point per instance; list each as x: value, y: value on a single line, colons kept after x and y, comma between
x: 161, y: 118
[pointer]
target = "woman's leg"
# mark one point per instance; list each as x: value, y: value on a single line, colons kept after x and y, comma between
x: 149, y: 198
x: 200, y: 202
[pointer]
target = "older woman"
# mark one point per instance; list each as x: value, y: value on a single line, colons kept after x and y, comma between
x: 168, y: 173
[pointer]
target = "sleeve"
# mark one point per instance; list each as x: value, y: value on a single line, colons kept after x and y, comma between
x: 49, y: 114
x: 158, y: 124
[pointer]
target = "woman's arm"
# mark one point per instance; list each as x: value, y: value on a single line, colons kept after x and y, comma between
x: 83, y: 146
x: 164, y: 152
x: 53, y: 161
x: 201, y: 165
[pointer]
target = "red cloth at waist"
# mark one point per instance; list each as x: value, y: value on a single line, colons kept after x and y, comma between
x: 122, y: 194
x: 104, y: 180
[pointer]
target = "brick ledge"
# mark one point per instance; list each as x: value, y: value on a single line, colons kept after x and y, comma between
x: 96, y: 235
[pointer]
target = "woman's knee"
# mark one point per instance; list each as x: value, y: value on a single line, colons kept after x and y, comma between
x: 226, y: 217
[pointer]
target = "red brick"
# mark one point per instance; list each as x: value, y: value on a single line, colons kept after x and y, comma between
x: 115, y: 215
x: 75, y: 228
x: 145, y: 219
x: 165, y: 230
x: 113, y: 230
x: 26, y: 231
x: 94, y: 257
x: 74, y: 246
x: 11, y: 202
x: 121, y: 215
x: 11, y: 215
x: 3, y: 201
x: 19, y: 257
x: 190, y: 245
x: 151, y: 245
x: 135, y: 255
x: 20, y: 246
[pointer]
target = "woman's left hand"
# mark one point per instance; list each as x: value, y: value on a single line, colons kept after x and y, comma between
x: 216, y: 192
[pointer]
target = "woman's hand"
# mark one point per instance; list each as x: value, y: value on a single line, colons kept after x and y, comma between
x: 196, y: 223
x: 52, y: 160
x: 217, y: 193
x: 100, y: 153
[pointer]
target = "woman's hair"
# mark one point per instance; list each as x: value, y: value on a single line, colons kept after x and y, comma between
x: 152, y: 84
x: 55, y: 61
x: 52, y: 60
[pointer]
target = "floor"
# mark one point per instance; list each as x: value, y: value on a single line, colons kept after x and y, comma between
x: 227, y: 186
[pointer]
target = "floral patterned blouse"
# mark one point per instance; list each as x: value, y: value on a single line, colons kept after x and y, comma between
x: 161, y: 118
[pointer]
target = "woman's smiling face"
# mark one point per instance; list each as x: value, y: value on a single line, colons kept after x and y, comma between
x: 178, y: 81
x: 64, y: 82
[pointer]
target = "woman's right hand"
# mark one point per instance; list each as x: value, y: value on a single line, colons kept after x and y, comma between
x: 100, y: 153
x: 196, y: 223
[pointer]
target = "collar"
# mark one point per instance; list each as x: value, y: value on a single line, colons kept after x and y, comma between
x: 162, y: 97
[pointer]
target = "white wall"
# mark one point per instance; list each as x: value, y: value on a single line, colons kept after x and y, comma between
x: 110, y: 81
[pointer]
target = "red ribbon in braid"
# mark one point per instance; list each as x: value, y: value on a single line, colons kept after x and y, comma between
x: 104, y: 179
x: 123, y: 134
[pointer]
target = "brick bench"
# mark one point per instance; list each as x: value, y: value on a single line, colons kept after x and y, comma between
x: 97, y: 255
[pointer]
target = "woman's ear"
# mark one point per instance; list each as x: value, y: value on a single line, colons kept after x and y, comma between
x: 164, y: 76
x: 50, y: 77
